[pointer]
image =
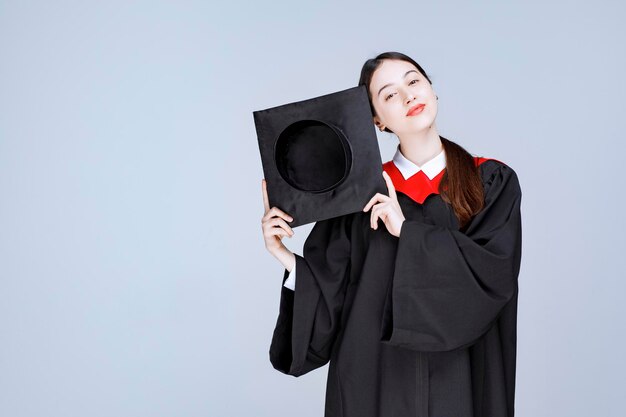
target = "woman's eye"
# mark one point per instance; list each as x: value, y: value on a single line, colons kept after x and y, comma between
x: 410, y: 83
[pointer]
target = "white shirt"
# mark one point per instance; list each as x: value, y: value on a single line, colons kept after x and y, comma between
x: 407, y: 168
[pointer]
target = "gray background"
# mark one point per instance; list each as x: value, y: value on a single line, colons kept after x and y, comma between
x: 133, y: 276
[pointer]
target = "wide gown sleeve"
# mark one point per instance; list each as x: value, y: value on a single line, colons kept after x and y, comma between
x: 309, y: 316
x: 449, y: 286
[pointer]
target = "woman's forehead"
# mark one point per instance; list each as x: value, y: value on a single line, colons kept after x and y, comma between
x: 394, y: 69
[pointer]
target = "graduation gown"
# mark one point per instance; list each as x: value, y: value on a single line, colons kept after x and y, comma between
x: 421, y: 325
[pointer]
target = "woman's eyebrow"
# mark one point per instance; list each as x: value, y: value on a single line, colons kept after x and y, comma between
x: 387, y: 85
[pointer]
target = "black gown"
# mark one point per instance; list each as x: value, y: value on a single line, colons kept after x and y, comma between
x: 421, y: 325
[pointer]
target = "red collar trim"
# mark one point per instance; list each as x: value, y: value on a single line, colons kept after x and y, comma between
x: 418, y: 187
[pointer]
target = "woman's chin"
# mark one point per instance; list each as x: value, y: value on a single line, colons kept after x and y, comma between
x: 416, y: 124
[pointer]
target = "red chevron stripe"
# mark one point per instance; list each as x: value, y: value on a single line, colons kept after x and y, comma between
x: 418, y: 187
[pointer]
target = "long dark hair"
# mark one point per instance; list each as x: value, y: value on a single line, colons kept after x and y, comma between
x: 461, y: 185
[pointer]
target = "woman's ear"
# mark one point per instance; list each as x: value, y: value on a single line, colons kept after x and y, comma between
x: 378, y: 124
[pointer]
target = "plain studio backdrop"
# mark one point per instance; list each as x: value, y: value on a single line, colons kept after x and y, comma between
x: 134, y: 280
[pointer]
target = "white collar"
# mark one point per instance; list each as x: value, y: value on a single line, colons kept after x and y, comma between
x: 431, y: 168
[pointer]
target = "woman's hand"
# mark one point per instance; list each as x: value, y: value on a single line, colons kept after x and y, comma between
x: 274, y: 225
x: 388, y: 209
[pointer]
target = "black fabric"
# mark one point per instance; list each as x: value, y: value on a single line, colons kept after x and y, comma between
x: 320, y: 156
x: 422, y: 325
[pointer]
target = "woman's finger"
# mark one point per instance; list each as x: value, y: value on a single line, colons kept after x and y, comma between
x: 378, y: 197
x: 266, y: 202
x: 277, y: 231
x: 373, y: 221
x: 275, y: 224
x: 390, y: 187
x: 277, y: 221
x: 275, y: 211
x: 374, y: 216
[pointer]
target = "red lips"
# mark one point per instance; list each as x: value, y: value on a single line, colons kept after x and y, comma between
x: 416, y: 109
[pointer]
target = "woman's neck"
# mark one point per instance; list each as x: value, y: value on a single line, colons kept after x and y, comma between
x: 421, y: 147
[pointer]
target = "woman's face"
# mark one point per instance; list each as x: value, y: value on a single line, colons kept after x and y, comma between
x: 396, y: 87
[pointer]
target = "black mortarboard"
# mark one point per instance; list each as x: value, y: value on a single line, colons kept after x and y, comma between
x: 320, y: 156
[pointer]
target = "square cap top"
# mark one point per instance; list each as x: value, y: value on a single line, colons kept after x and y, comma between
x: 320, y: 156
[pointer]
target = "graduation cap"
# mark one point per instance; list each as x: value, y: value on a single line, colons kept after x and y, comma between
x: 320, y: 156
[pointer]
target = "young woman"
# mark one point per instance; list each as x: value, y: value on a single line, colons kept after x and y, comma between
x: 416, y: 316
